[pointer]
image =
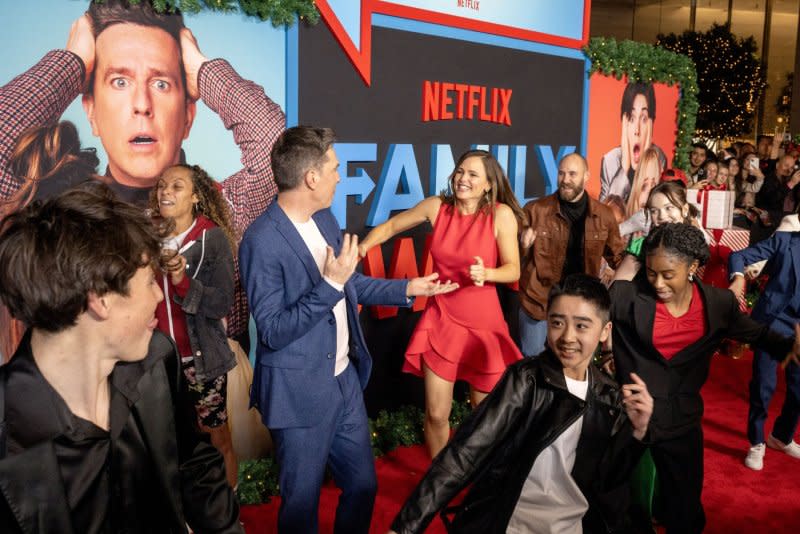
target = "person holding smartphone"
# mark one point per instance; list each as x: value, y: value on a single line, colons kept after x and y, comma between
x: 778, y: 195
x: 747, y: 182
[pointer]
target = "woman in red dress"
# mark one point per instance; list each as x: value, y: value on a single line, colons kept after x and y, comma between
x: 462, y: 335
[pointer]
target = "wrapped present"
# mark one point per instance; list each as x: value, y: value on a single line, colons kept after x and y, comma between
x: 715, y: 207
x: 721, y: 243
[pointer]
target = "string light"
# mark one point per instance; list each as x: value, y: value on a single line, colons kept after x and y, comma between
x: 729, y: 77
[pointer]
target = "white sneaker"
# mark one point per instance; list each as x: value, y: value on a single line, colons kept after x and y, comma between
x: 755, y: 457
x: 791, y: 448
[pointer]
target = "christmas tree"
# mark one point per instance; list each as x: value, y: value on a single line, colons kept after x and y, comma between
x: 729, y: 75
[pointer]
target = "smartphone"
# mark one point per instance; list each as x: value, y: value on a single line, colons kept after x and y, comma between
x: 754, y: 163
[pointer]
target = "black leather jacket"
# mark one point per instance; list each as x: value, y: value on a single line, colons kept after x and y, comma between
x: 494, y: 449
x: 189, y: 472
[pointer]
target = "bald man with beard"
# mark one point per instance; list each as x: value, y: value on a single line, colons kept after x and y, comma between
x: 567, y: 232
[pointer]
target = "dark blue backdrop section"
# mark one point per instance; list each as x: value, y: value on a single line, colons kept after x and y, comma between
x: 391, y: 158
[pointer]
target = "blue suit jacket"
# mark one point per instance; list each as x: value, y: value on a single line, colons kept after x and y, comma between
x: 783, y: 252
x: 293, y: 382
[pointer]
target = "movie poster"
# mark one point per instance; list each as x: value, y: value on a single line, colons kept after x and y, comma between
x: 134, y: 112
x: 631, y: 139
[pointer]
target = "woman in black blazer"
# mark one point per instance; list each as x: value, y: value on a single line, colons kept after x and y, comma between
x: 667, y: 325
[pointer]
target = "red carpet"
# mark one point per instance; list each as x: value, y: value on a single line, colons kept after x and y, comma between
x: 736, y: 499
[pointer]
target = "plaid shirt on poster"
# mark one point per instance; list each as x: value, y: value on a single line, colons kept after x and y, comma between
x: 40, y: 95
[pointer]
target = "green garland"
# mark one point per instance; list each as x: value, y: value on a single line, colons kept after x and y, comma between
x: 647, y: 63
x: 279, y: 12
x: 258, y: 479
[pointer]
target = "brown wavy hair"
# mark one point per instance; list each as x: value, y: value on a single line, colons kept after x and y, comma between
x: 211, y: 203
x: 48, y: 160
x: 500, y: 187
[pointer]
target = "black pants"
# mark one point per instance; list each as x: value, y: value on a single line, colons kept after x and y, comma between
x: 679, y: 463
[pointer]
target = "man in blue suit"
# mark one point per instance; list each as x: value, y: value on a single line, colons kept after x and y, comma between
x: 779, y: 307
x: 312, y: 361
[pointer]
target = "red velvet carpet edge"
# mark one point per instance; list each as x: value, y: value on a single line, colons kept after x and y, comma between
x: 736, y: 499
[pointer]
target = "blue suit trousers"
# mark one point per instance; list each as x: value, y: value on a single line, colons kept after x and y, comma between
x: 342, y: 442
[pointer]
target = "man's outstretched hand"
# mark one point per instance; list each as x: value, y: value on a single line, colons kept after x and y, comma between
x: 428, y: 286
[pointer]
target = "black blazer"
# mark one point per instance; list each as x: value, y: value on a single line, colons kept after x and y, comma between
x: 675, y: 384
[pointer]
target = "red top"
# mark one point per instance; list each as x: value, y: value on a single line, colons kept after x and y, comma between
x: 175, y: 317
x: 673, y: 334
x: 463, y: 335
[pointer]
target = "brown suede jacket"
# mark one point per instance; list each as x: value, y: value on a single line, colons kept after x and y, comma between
x: 543, y: 263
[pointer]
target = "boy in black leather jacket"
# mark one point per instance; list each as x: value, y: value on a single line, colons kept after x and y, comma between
x: 93, y: 439
x: 548, y: 445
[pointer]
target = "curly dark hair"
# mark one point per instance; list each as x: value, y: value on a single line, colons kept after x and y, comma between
x: 211, y: 203
x: 681, y: 239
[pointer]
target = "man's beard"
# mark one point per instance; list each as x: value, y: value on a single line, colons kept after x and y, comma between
x: 569, y: 193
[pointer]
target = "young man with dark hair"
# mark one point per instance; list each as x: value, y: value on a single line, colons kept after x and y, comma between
x: 95, y: 438
x: 545, y: 449
x: 312, y: 361
x: 637, y: 114
x: 142, y: 73
x: 697, y: 157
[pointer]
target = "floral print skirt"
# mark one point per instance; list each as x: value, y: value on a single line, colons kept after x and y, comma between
x: 209, y: 399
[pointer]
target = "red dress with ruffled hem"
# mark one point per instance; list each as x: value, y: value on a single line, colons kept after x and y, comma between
x: 462, y: 335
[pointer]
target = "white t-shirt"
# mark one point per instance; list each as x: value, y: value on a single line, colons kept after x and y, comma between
x: 317, y: 246
x: 551, y: 502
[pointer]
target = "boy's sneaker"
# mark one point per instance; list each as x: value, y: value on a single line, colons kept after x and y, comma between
x: 755, y: 457
x: 791, y: 448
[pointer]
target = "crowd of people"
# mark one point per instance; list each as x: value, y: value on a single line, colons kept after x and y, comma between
x: 124, y: 293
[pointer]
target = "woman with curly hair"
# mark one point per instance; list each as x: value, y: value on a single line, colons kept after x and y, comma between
x: 198, y: 285
x: 667, y: 325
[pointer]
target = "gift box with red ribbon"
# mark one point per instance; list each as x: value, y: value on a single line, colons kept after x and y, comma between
x: 721, y: 243
x: 715, y: 207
